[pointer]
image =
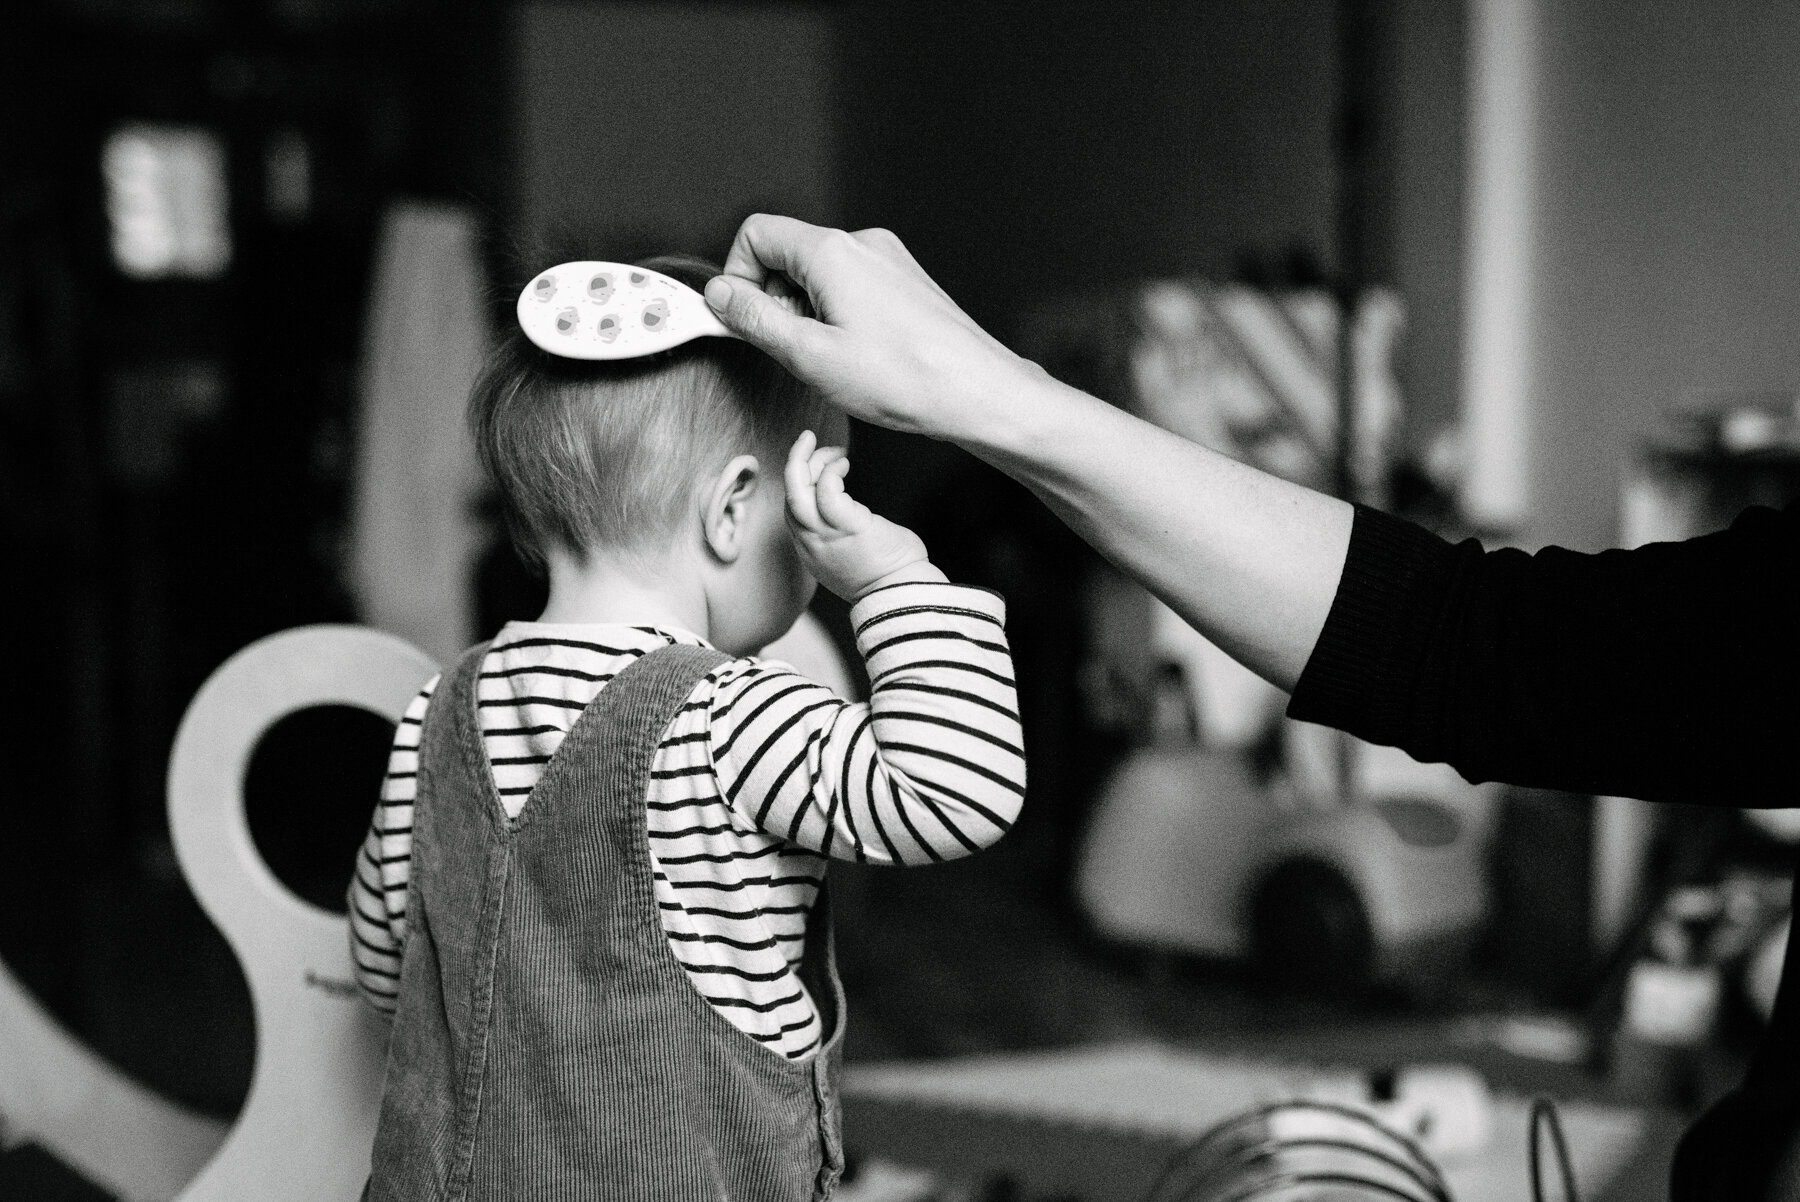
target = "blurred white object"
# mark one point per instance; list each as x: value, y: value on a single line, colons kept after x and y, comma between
x: 115, y: 1133
x: 414, y: 531
x: 307, y: 1126
x: 1749, y: 429
x: 1551, y: 1038
x: 1762, y: 976
x: 1170, y: 849
x: 1444, y: 1108
x: 1499, y: 367
x: 167, y: 201
x: 1623, y: 830
x: 1188, y: 838
x: 1781, y: 825
x: 1670, y: 1004
x: 880, y: 1181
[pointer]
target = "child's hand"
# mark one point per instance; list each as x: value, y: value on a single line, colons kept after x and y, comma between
x: 849, y: 548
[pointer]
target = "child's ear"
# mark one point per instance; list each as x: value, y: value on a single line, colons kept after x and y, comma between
x: 725, y: 507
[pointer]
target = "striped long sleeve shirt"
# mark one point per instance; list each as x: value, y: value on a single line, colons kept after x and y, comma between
x: 762, y: 776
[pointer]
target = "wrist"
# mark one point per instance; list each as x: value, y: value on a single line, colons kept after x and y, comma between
x: 1025, y: 414
x: 921, y: 571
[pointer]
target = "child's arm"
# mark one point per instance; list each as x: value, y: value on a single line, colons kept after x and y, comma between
x: 933, y: 767
x: 377, y: 898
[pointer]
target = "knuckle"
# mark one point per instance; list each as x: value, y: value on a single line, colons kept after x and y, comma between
x: 838, y: 244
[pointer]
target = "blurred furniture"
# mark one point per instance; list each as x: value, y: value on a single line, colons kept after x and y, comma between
x: 1227, y: 829
x: 309, y: 1121
x: 1188, y: 851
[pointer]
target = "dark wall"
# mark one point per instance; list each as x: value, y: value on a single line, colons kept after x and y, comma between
x: 646, y: 127
x: 1030, y: 149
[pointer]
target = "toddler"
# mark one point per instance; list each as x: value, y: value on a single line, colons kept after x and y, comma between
x: 592, y: 893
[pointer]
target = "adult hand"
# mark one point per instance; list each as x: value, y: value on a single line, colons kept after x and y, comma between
x: 885, y: 344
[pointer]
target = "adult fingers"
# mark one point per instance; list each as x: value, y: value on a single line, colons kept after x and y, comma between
x: 801, y: 507
x: 767, y: 242
x: 768, y: 247
x: 796, y: 342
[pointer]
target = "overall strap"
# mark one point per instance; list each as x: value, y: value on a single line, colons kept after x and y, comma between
x: 607, y: 754
x: 452, y: 714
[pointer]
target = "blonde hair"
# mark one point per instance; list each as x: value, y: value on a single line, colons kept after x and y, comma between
x: 607, y: 454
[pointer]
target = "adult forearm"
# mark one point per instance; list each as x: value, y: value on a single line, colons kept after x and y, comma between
x: 1250, y: 560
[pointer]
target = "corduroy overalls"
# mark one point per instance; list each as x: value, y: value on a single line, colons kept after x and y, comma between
x: 548, y: 1045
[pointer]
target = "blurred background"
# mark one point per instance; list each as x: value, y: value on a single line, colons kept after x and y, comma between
x: 250, y: 251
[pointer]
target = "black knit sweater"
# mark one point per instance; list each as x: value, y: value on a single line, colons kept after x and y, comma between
x: 1670, y: 672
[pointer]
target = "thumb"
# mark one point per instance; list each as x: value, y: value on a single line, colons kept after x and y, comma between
x: 797, y: 343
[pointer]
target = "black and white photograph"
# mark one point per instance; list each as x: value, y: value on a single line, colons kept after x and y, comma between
x: 900, y: 600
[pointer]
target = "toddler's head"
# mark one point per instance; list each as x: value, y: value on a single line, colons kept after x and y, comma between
x: 641, y: 460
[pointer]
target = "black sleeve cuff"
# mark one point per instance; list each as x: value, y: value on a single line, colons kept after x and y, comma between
x: 1358, y: 677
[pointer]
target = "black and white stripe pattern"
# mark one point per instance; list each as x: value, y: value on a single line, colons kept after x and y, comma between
x: 760, y: 777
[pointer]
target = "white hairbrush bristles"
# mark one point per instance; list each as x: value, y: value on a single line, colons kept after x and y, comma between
x: 597, y: 310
